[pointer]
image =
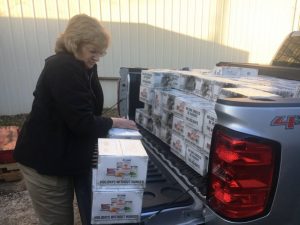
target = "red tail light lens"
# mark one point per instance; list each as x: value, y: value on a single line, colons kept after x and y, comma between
x: 242, y: 174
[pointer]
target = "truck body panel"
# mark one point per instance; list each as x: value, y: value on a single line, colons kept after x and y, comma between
x: 256, y: 117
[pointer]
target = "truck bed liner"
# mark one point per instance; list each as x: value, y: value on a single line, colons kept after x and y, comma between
x: 157, y: 148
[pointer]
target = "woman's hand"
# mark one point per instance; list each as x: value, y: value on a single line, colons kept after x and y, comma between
x: 124, y: 123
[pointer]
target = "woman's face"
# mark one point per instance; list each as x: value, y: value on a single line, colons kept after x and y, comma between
x: 89, y: 54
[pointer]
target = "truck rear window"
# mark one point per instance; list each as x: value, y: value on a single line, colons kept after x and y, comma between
x: 289, y: 52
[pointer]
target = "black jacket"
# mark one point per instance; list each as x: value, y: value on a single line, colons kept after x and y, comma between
x: 61, y: 131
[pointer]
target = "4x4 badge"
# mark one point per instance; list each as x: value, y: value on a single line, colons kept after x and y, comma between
x: 288, y: 121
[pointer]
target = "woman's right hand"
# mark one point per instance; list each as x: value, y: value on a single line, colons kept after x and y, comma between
x: 123, y: 123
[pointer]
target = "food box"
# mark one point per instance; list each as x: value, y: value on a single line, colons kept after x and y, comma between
x: 190, y: 83
x: 156, y: 125
x: 181, y: 101
x: 284, y: 92
x: 194, y: 113
x: 196, y: 159
x: 207, y: 143
x: 157, y: 106
x: 139, y: 116
x: 168, y: 98
x: 116, y: 206
x: 204, y: 87
x: 194, y: 137
x: 146, y: 94
x: 157, y: 78
x: 122, y: 133
x: 178, y: 145
x: 202, y: 71
x: 185, y: 81
x: 210, y: 119
x: 121, y: 163
x: 262, y: 80
x: 178, y: 81
x: 148, y: 109
x: 178, y: 125
x: 233, y: 71
x: 245, y: 92
x: 165, y: 134
x: 189, y: 78
x: 147, y: 122
x: 222, y: 82
x: 167, y: 118
x: 8, y: 139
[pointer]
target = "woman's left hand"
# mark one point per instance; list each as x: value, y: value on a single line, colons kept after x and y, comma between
x: 124, y: 123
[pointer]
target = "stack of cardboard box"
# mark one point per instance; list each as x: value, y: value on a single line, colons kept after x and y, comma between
x: 179, y: 105
x: 119, y: 181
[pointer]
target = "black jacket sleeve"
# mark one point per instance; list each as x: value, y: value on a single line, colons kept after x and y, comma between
x: 74, y: 99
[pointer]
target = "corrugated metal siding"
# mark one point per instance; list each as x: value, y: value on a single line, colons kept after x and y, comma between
x: 145, y: 33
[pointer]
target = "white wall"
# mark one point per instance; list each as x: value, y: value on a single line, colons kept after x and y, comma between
x: 145, y: 33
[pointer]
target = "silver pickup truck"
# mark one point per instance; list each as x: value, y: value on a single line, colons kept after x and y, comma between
x: 252, y: 173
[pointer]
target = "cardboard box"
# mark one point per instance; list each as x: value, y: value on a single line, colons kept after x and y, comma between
x: 178, y: 125
x: 122, y: 133
x: 167, y: 118
x: 181, y: 101
x: 147, y: 122
x: 146, y: 94
x: 196, y: 159
x: 189, y: 78
x: 148, y: 109
x: 204, y: 87
x: 202, y: 71
x: 189, y: 83
x: 166, y: 134
x: 168, y: 98
x: 284, y: 92
x: 185, y: 82
x: 157, y: 78
x: 194, y: 137
x: 117, y: 206
x: 178, y: 145
x: 221, y: 82
x: 210, y: 119
x: 207, y: 144
x: 232, y: 71
x: 139, y: 116
x: 157, y: 101
x: 194, y: 113
x: 121, y: 163
x: 245, y: 92
x: 178, y: 81
x: 156, y: 125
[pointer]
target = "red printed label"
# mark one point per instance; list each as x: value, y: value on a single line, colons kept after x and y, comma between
x: 288, y: 122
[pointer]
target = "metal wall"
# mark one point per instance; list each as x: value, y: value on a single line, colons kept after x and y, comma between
x: 145, y: 33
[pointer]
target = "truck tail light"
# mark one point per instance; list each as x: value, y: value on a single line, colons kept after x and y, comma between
x: 242, y: 174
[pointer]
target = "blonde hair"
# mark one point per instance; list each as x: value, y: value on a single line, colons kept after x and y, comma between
x: 82, y: 29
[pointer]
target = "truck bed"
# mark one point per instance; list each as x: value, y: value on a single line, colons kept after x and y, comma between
x: 171, y: 184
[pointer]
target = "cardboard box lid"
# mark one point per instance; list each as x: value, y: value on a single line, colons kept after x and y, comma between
x: 121, y: 133
x: 120, y: 147
x: 250, y: 92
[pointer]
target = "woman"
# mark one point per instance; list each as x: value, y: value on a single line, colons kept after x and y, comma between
x: 56, y: 143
